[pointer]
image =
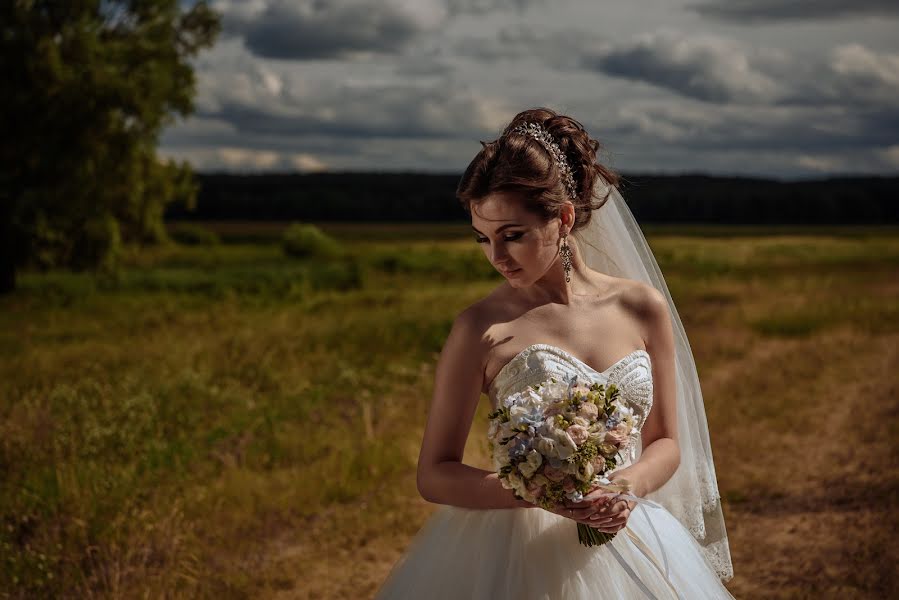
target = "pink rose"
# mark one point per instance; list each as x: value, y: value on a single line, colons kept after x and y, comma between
x: 578, y: 434
x: 568, y: 485
x: 615, y: 438
x: 553, y: 474
x: 599, y: 464
x: 589, y: 411
x: 536, y: 489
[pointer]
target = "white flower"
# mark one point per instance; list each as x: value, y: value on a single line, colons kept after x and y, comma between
x: 501, y: 455
x: 516, y: 481
x: 547, y: 447
x: 533, y: 462
x: 565, y: 446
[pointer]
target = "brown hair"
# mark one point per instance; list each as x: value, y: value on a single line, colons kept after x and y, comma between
x: 519, y: 163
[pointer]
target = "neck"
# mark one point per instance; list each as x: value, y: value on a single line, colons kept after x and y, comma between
x: 552, y: 287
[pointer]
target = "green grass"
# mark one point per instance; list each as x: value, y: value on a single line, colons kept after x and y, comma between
x: 157, y: 427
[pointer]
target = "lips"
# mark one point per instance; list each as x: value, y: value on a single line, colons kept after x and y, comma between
x: 507, y: 273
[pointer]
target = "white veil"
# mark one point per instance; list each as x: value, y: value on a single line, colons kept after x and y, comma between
x: 613, y: 243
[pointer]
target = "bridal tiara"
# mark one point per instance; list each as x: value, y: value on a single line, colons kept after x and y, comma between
x: 546, y: 140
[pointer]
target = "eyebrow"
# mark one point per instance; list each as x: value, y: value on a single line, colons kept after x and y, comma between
x: 500, y: 228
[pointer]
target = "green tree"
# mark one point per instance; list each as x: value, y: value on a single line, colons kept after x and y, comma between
x: 90, y: 84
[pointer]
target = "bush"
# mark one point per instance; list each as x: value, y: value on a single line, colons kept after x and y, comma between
x: 306, y: 241
x: 193, y: 235
x: 98, y: 245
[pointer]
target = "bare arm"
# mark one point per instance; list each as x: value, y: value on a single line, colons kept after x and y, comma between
x: 442, y: 478
x: 661, y: 453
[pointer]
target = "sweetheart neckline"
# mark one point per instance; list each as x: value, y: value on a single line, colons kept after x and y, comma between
x: 568, y: 355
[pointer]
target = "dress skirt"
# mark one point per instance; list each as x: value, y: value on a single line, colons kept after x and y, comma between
x: 533, y: 554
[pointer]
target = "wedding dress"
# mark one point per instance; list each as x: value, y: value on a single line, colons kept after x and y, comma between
x: 534, y: 554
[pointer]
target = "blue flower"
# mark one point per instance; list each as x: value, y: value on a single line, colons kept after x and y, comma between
x: 518, y: 447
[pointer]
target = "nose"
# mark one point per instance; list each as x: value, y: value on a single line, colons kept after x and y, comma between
x: 499, y: 255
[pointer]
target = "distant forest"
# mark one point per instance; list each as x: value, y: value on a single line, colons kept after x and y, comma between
x: 652, y: 198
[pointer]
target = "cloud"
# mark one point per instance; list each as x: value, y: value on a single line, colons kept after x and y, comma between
x: 241, y: 158
x: 890, y: 156
x: 335, y: 29
x: 863, y: 82
x: 327, y: 29
x: 333, y: 94
x: 702, y: 67
x: 865, y: 75
x: 558, y: 49
x: 481, y: 7
x: 307, y: 163
x: 745, y: 12
x: 258, y: 101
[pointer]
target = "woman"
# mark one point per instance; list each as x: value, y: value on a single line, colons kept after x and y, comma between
x: 598, y: 309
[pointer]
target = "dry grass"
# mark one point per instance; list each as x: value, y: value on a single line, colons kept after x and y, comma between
x: 207, y: 426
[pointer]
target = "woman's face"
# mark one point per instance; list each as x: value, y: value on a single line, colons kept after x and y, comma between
x: 516, y: 241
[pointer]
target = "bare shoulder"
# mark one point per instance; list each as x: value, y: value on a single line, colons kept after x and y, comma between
x: 644, y: 302
x: 649, y: 308
x: 467, y: 336
x: 644, y: 299
x: 488, y: 309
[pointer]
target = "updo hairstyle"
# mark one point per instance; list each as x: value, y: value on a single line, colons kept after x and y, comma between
x: 520, y: 164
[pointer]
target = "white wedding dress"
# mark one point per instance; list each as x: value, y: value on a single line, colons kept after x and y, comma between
x: 533, y: 554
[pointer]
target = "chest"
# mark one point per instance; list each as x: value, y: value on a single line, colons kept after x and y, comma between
x: 597, y: 335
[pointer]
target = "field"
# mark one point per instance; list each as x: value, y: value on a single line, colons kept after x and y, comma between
x: 221, y: 420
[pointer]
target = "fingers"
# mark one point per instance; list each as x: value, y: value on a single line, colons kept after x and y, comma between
x: 595, y: 498
x: 622, y: 505
x: 610, y: 523
x: 599, y: 495
x: 579, y: 513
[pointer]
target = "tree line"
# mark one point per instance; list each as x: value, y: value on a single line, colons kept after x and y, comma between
x: 431, y: 197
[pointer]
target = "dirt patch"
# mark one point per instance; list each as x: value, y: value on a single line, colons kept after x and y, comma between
x: 822, y: 526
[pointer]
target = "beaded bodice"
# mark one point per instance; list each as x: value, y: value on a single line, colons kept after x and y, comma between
x: 632, y: 374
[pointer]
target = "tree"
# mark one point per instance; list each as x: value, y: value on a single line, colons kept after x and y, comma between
x: 90, y: 86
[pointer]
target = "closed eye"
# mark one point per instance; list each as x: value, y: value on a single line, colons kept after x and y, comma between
x: 508, y: 238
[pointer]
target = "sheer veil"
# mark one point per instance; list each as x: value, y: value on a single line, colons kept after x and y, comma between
x: 614, y: 244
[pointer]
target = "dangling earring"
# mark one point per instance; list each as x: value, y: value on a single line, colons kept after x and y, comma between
x: 565, y: 253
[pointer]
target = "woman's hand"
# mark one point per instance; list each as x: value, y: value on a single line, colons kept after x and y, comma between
x: 601, y: 509
x: 593, y: 506
x: 614, y: 519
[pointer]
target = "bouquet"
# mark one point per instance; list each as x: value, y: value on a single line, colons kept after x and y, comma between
x: 557, y: 441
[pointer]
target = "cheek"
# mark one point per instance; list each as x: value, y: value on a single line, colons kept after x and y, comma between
x: 535, y: 257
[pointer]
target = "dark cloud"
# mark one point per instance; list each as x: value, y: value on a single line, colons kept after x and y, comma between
x: 486, y: 6
x: 315, y: 29
x: 851, y: 76
x: 668, y: 100
x: 260, y: 103
x: 754, y: 11
x: 705, y: 68
x: 558, y: 49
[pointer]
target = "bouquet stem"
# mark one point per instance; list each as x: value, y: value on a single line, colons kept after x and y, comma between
x: 590, y: 537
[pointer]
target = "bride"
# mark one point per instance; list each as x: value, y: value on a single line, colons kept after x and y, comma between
x: 597, y: 308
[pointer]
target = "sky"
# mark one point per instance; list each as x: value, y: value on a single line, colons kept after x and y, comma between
x: 789, y: 90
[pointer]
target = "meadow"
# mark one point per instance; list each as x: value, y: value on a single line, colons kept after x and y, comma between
x: 221, y: 420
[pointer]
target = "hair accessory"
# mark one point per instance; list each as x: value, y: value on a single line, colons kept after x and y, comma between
x: 546, y: 140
